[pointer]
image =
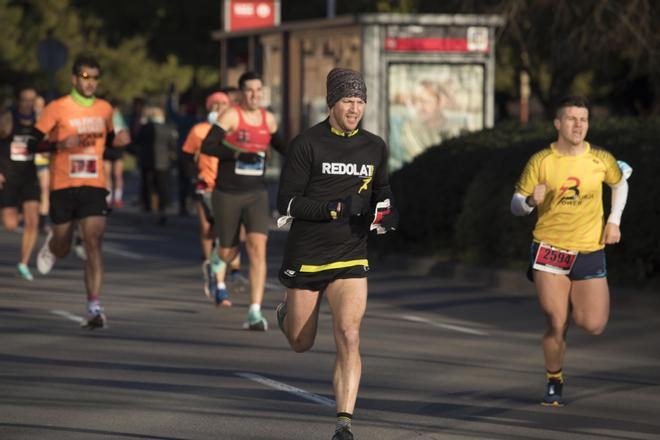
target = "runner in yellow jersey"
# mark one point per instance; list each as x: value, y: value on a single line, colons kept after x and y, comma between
x: 567, y: 260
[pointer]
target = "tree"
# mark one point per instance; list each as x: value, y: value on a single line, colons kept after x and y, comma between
x: 569, y: 46
x: 128, y: 67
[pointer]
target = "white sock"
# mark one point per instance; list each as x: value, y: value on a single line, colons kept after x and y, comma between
x: 119, y: 193
x: 254, y: 308
x: 221, y: 285
x: 93, y: 306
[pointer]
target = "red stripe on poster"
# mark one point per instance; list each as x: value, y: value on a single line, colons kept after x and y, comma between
x: 410, y: 44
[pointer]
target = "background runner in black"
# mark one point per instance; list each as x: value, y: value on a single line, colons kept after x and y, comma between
x: 19, y: 185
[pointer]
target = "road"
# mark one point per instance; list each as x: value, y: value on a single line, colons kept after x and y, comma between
x: 442, y: 359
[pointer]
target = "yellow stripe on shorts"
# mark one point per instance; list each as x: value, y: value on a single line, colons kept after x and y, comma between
x: 336, y: 265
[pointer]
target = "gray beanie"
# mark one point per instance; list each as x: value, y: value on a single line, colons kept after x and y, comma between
x: 342, y: 83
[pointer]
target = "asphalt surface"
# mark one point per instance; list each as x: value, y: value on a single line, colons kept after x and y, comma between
x: 442, y: 359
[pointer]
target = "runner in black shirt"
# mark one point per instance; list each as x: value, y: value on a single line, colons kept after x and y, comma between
x: 333, y: 180
x: 19, y: 186
x: 240, y: 139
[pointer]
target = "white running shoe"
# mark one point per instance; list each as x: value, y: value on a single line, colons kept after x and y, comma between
x: 79, y: 248
x: 45, y: 258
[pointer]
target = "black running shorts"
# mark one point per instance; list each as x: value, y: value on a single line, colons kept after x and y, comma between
x: 113, y: 154
x: 230, y: 210
x: 75, y: 203
x: 18, y: 189
x: 318, y: 281
x: 587, y: 265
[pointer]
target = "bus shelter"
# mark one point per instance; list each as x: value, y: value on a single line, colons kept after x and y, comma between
x: 429, y: 77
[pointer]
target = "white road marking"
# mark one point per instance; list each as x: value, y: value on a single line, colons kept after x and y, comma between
x: 289, y: 389
x: 457, y: 328
x: 69, y: 316
x: 122, y: 253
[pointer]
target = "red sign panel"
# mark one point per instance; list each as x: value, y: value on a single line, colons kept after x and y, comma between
x: 250, y: 14
x: 458, y: 39
x: 426, y: 44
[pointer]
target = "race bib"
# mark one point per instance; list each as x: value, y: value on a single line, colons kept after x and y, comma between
x: 251, y: 169
x: 83, y: 166
x: 553, y: 260
x: 19, y: 149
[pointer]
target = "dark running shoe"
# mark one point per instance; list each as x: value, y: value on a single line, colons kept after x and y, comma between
x: 255, y: 321
x: 222, y: 297
x: 553, y: 394
x: 95, y: 321
x: 343, y: 434
x: 280, y: 311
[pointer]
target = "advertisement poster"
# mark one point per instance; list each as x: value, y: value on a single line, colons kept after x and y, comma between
x: 430, y: 103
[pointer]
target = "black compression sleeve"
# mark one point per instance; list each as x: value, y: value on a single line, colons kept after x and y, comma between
x: 381, y: 182
x: 293, y: 181
x: 212, y: 144
x: 109, y: 139
x: 277, y: 142
x: 189, y: 166
x: 38, y: 143
x: 307, y: 209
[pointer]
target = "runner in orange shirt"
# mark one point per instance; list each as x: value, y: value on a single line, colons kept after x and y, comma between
x: 79, y: 126
x: 205, y: 169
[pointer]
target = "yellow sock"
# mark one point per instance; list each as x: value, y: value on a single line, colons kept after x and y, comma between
x: 555, y: 376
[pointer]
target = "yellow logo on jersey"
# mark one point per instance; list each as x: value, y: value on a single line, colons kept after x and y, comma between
x: 365, y: 184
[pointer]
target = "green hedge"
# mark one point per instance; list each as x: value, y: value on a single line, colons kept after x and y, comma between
x: 454, y: 198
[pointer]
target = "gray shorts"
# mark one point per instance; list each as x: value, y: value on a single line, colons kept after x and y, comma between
x: 230, y: 210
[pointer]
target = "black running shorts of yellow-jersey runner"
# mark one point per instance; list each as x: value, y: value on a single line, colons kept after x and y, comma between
x: 317, y: 278
x: 587, y: 266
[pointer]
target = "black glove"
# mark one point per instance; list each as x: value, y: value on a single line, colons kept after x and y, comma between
x: 352, y: 205
x: 390, y: 221
x: 248, y: 157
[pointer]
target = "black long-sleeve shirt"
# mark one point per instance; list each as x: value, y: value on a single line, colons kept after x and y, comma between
x: 322, y: 167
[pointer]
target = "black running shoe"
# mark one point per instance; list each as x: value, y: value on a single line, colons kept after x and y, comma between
x: 553, y: 394
x: 343, y: 434
x: 95, y: 321
x: 280, y: 311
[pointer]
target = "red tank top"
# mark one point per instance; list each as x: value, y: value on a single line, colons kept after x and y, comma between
x: 249, y: 138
